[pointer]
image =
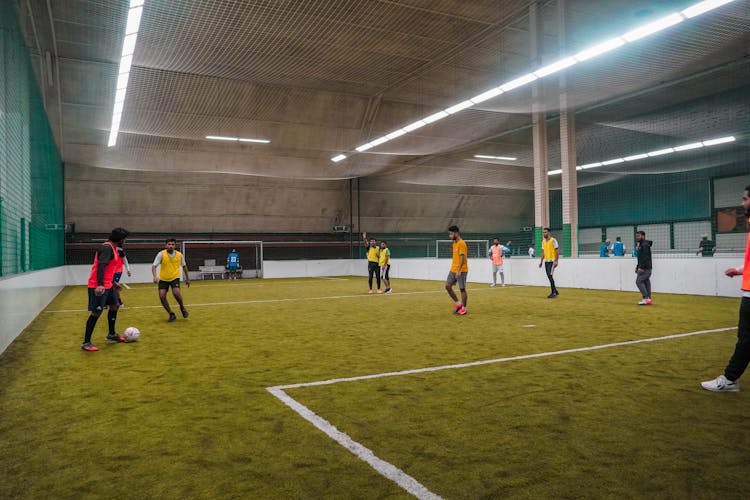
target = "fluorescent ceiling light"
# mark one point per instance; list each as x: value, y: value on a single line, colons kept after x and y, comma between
x: 221, y: 138
x: 437, y: 116
x: 259, y: 141
x: 660, y: 152
x: 721, y: 140
x: 685, y: 147
x: 120, y: 95
x: 128, y: 44
x: 123, y: 71
x: 122, y: 80
x: 397, y: 133
x: 590, y: 165
x: 555, y: 67
x: 414, y: 126
x: 554, y: 172
x: 703, y: 7
x: 490, y: 157
x: 613, y: 162
x: 484, y: 96
x: 521, y: 80
x: 636, y: 157
x: 600, y: 48
x: 460, y: 106
x: 654, y: 27
x: 379, y: 141
x: 125, y: 63
x: 134, y: 20
x: 585, y: 54
x: 338, y: 158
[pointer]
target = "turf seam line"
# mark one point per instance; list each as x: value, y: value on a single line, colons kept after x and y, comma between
x: 386, y: 469
x: 498, y: 360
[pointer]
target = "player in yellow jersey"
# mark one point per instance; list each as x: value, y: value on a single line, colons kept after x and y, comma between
x: 550, y: 255
x: 373, y: 260
x: 385, y: 265
x: 170, y: 262
x: 459, y: 270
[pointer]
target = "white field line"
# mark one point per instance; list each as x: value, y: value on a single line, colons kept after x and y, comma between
x: 390, y: 471
x: 266, y: 301
x: 386, y: 469
x: 245, y: 282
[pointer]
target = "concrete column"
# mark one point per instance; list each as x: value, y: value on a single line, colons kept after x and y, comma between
x: 567, y: 149
x: 539, y: 131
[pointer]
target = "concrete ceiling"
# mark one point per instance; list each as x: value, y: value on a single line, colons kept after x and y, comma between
x: 320, y: 77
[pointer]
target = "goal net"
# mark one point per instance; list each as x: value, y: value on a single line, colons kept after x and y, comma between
x: 477, y: 248
x: 209, y: 258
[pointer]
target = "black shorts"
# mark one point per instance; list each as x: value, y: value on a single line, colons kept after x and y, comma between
x: 166, y: 285
x: 117, y: 277
x: 97, y: 303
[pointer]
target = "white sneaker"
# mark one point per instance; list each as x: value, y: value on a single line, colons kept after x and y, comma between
x: 492, y: 285
x: 503, y: 285
x: 720, y: 384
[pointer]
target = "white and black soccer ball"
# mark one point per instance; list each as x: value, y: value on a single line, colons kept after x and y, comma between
x: 131, y: 334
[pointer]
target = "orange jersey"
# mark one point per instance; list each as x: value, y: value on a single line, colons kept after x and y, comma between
x: 460, y: 248
x: 497, y: 254
x: 109, y: 271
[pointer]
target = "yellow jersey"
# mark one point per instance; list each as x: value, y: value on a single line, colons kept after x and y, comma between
x: 549, y: 249
x: 385, y: 257
x: 169, y: 266
x: 373, y: 254
x: 460, y: 248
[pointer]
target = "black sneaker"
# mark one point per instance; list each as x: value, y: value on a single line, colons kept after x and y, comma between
x: 172, y: 318
x: 552, y: 295
x: 115, y: 338
x: 185, y: 314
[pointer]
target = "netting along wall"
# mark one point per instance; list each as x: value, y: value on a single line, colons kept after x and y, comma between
x: 31, y: 177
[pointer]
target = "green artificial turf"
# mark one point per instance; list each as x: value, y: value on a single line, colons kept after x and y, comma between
x: 184, y: 412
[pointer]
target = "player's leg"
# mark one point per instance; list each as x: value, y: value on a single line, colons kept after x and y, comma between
x: 113, y: 306
x: 740, y: 358
x: 501, y: 270
x: 464, y: 295
x: 96, y: 306
x: 494, y: 275
x: 163, y: 288
x: 371, y: 267
x: 640, y: 282
x: 387, y: 279
x: 177, y: 292
x: 549, y: 269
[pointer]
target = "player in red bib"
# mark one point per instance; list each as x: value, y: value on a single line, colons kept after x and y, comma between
x: 101, y: 288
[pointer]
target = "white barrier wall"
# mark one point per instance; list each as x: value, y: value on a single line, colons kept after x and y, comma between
x: 23, y: 296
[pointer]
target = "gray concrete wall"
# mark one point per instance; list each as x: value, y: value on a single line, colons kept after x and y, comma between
x: 98, y: 199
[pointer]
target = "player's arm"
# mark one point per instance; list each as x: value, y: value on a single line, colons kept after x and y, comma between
x: 461, y: 261
x: 157, y: 263
x: 557, y: 253
x: 185, y: 271
x: 734, y: 271
x: 127, y: 264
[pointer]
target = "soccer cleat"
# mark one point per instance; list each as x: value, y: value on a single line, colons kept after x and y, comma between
x: 88, y: 346
x: 388, y: 290
x: 370, y: 292
x: 380, y: 291
x: 552, y: 295
x: 115, y: 338
x: 721, y: 384
x: 185, y: 314
x: 461, y: 312
x: 457, y: 308
x: 492, y: 285
x: 503, y: 285
x: 645, y: 302
x: 172, y: 318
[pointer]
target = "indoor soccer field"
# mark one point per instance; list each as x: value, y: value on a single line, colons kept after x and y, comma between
x: 585, y: 396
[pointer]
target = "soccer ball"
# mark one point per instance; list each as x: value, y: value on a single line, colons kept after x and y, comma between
x: 131, y: 334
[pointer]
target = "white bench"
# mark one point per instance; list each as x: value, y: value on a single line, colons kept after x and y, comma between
x: 212, y: 271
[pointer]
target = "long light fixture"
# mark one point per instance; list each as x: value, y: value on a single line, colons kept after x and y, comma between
x: 236, y: 139
x: 550, y: 69
x: 126, y: 61
x: 490, y: 157
x: 651, y: 154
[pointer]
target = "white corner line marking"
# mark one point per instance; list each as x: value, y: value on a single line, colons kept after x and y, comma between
x: 387, y: 469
